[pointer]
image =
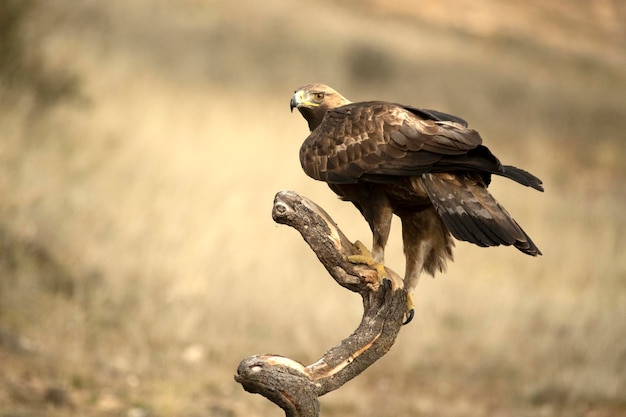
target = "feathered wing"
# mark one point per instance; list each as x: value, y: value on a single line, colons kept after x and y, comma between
x: 378, y: 141
x: 472, y: 214
x: 380, y: 138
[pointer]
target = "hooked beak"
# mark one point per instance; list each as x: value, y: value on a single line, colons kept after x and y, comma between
x: 293, y: 103
x: 296, y: 100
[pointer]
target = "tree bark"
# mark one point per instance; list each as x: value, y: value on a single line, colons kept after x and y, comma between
x: 293, y: 386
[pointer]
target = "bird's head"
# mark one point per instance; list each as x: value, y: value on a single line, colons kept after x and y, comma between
x: 313, y: 100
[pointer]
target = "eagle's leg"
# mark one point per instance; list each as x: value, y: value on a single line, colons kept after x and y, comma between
x: 378, y: 215
x: 413, y: 270
x: 415, y: 249
x: 379, y: 218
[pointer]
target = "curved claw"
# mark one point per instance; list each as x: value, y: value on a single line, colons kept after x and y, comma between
x: 410, y: 309
x: 409, y: 316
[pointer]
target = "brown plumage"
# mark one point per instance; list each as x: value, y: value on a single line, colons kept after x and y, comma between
x: 425, y: 166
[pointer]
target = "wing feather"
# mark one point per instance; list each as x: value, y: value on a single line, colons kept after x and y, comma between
x: 436, y: 115
x: 391, y: 140
x: 472, y: 214
x: 367, y: 139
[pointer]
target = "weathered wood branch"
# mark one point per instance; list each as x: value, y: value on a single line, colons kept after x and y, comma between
x: 295, y: 387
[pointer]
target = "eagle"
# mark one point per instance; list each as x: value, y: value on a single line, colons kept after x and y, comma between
x: 425, y: 166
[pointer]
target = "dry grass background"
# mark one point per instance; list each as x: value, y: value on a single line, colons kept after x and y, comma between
x: 139, y: 262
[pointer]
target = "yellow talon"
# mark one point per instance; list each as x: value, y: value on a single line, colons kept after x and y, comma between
x: 410, y: 309
x: 365, y: 257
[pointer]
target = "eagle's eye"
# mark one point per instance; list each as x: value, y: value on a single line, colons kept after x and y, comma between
x: 319, y: 96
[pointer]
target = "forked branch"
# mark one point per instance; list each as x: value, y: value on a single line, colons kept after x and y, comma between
x: 295, y: 387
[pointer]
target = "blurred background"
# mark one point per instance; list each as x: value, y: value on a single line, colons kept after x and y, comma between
x: 142, y: 143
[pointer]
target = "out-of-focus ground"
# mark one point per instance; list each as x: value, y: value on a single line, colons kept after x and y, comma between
x: 141, y: 144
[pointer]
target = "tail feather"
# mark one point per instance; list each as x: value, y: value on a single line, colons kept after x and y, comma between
x: 472, y: 214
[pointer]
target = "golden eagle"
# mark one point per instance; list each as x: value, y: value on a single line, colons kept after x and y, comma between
x: 427, y: 167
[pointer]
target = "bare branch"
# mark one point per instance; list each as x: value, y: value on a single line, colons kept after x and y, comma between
x: 295, y: 387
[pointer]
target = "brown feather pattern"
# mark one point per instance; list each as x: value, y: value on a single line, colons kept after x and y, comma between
x: 425, y: 166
